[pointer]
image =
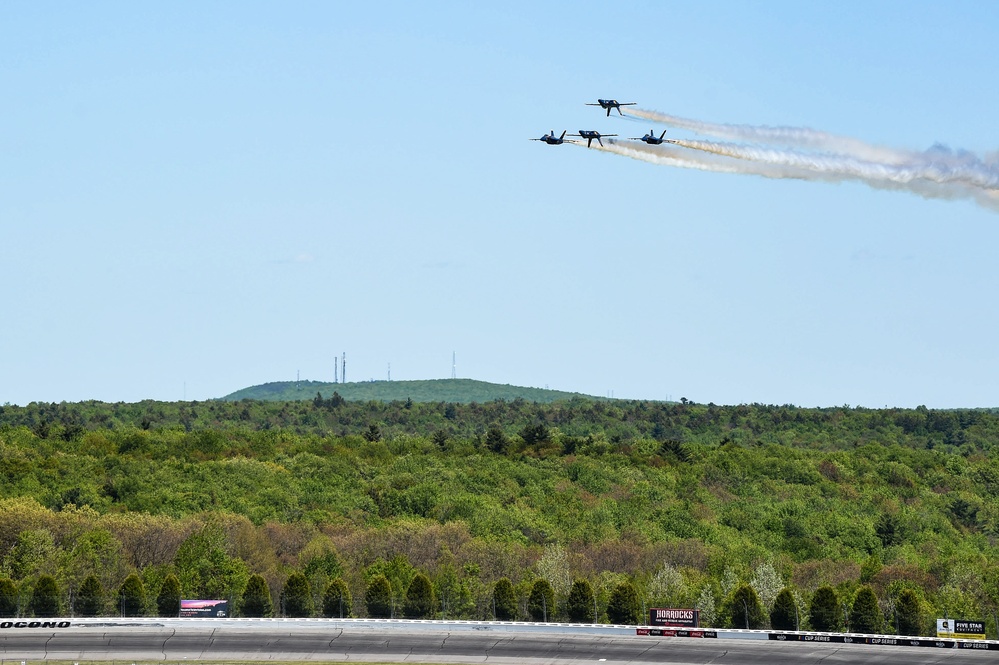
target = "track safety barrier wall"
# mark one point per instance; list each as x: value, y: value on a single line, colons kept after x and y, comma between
x: 499, y: 626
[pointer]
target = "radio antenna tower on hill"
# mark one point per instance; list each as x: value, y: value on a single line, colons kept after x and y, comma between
x: 336, y: 370
x: 454, y: 372
x: 343, y: 368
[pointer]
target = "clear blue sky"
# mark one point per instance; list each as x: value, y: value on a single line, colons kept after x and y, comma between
x: 201, y: 197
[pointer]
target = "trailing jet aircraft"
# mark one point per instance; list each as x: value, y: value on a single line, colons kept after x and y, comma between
x: 612, y: 104
x: 551, y: 139
x: 590, y: 134
x: 651, y: 138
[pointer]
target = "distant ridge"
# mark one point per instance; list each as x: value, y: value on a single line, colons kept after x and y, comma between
x: 434, y: 390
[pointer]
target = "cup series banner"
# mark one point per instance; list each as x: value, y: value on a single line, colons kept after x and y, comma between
x: 204, y: 608
x: 962, y: 630
x: 888, y: 641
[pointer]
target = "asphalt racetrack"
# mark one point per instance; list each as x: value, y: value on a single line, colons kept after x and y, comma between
x: 152, y: 640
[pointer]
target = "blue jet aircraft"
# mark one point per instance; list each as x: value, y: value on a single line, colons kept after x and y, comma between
x: 551, y: 139
x: 612, y: 104
x: 590, y: 134
x: 651, y: 138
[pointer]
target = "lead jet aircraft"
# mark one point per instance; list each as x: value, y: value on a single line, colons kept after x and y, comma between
x: 551, y: 139
x: 652, y: 139
x: 612, y: 104
x: 590, y: 134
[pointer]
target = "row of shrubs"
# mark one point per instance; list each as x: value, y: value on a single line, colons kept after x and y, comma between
x: 742, y: 609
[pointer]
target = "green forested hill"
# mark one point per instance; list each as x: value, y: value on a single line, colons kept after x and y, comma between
x: 461, y: 391
x: 685, y: 501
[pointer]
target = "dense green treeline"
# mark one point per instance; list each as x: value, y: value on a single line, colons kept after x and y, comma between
x: 964, y: 431
x: 669, y: 504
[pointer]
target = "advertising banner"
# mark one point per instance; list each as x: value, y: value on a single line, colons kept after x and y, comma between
x: 204, y: 608
x: 861, y: 639
x: 660, y: 632
x: 677, y: 618
x: 960, y: 629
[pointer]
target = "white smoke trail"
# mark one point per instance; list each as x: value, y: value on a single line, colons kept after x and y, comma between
x: 696, y: 160
x: 798, y: 137
x: 971, y: 173
x: 939, y: 173
x: 808, y: 154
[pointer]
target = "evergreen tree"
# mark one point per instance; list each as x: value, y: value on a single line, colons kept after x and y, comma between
x: 296, y: 599
x: 535, y: 434
x: 496, y: 440
x: 420, y: 601
x: 504, y: 600
x: 336, y: 599
x: 541, y: 602
x: 623, y: 607
x: 440, y: 439
x: 257, y: 598
x: 168, y: 599
x: 908, y: 614
x: 889, y: 530
x: 45, y: 597
x: 8, y: 598
x: 89, y: 598
x: 824, y: 614
x: 579, y: 606
x: 131, y: 596
x: 784, y: 615
x: 744, y: 609
x: 866, y: 617
x: 378, y: 597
